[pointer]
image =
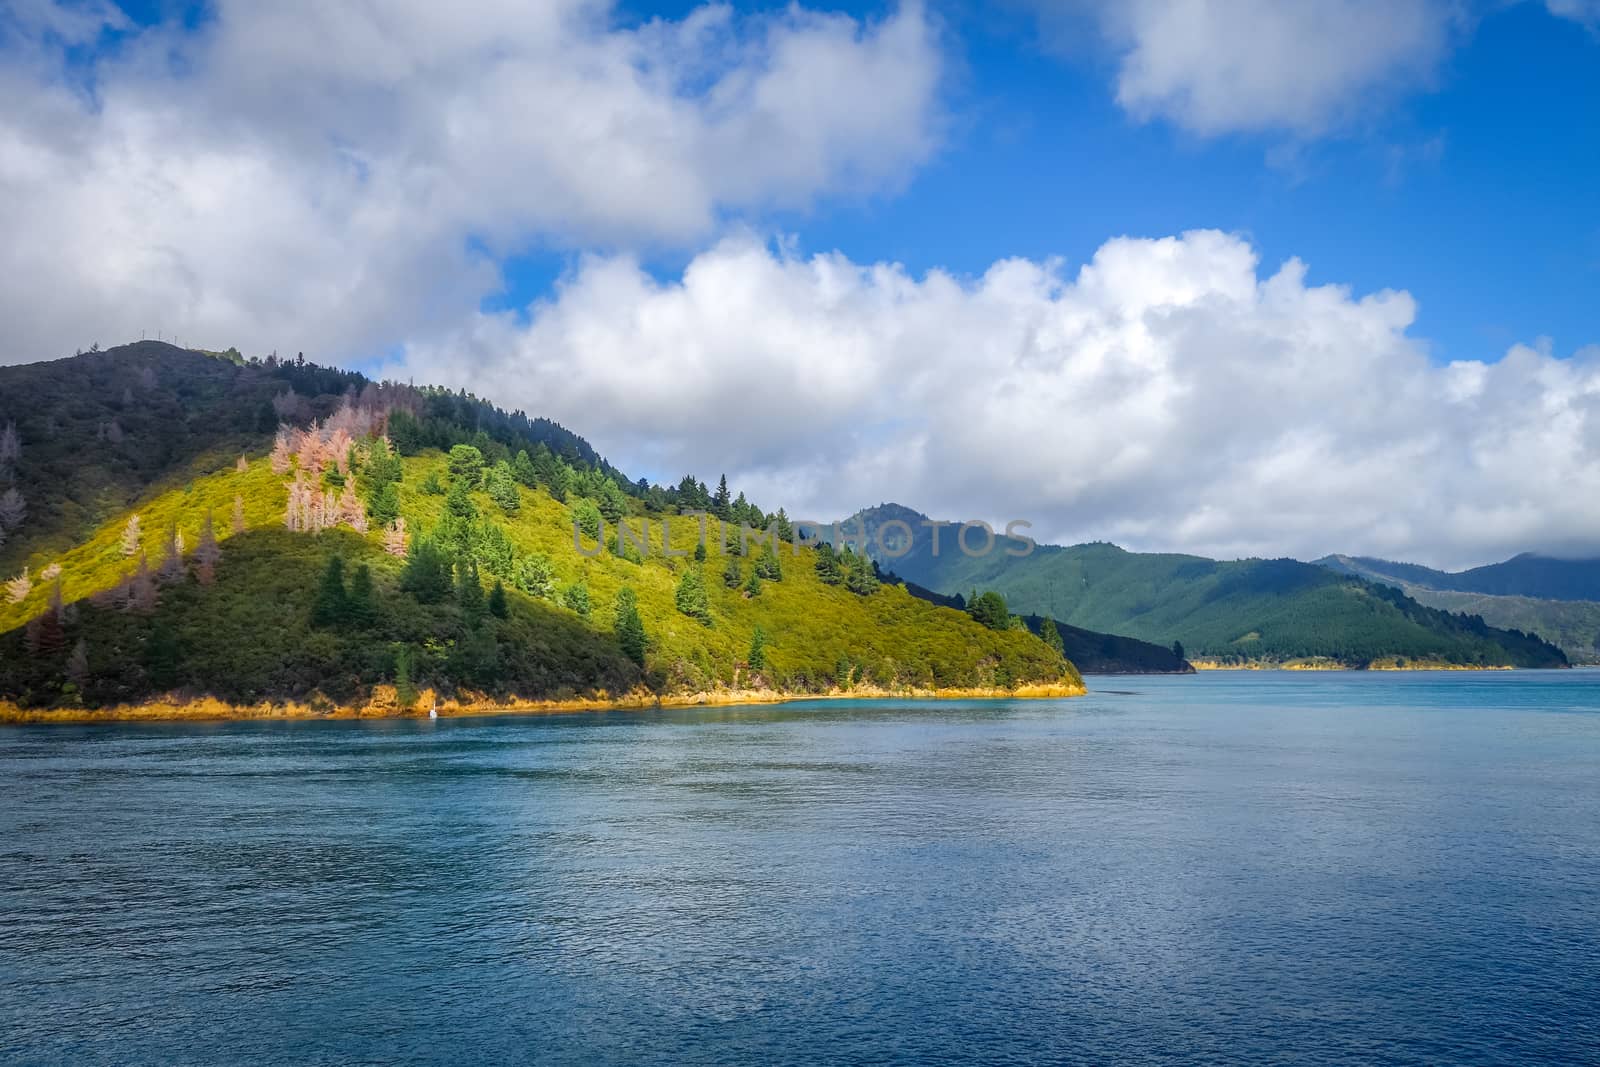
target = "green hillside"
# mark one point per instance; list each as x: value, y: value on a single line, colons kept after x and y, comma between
x: 336, y: 564
x: 1526, y: 575
x: 1571, y: 625
x: 1091, y: 652
x: 1245, y: 611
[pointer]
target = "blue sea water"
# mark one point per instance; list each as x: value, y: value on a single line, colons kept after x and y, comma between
x: 1231, y: 868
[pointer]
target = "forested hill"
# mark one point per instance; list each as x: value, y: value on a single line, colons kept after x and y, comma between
x: 1527, y: 575
x: 1090, y: 651
x: 191, y: 525
x: 1558, y: 599
x: 1244, y: 611
x: 82, y: 438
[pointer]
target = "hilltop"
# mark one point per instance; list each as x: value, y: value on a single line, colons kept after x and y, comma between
x: 272, y: 532
x: 1557, y: 599
x: 1242, y: 612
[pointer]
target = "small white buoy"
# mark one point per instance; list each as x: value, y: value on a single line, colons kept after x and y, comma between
x: 433, y: 712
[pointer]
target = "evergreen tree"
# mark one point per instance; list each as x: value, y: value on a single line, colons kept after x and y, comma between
x: 576, y: 597
x: 989, y: 608
x: 758, y: 650
x: 827, y: 565
x: 722, y: 502
x: 458, y: 502
x: 466, y: 465
x: 469, y: 592
x: 732, y: 575
x: 522, y: 470
x: 699, y: 551
x: 691, y: 596
x: 492, y: 548
x: 1051, y: 635
x: 384, y: 504
x: 432, y: 485
x: 161, y: 655
x: 587, y: 517
x: 1177, y: 650
x: 427, y: 572
x: 768, y: 566
x: 361, y: 604
x: 405, y: 691
x: 613, y: 501
x: 628, y: 626
x: 331, y: 603
x: 535, y: 576
x: 78, y: 665
x: 501, y: 485
x: 497, y: 600
x: 752, y: 585
x: 860, y: 576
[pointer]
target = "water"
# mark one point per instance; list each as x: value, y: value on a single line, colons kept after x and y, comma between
x: 1230, y: 868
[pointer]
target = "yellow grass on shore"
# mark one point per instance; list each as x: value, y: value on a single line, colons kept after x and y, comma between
x: 383, y: 704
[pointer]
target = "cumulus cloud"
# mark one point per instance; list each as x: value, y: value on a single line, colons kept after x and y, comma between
x: 1264, y: 66
x: 350, y: 175
x: 1168, y: 394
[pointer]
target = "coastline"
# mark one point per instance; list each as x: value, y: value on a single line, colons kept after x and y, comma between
x: 383, y: 705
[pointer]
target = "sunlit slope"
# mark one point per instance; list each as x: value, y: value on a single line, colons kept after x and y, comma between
x: 251, y: 636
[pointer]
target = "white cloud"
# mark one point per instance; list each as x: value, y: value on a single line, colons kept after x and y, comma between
x: 1264, y: 65
x: 338, y: 177
x: 1167, y: 395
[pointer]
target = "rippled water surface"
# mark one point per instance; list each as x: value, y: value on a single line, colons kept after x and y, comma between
x: 1229, y: 868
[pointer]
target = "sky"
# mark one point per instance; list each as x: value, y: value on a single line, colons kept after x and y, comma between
x: 1234, y: 278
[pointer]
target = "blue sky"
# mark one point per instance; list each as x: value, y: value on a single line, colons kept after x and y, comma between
x: 1478, y: 195
x: 1238, y: 277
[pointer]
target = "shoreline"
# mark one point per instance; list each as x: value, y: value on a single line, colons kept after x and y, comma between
x: 382, y: 705
x: 1201, y: 666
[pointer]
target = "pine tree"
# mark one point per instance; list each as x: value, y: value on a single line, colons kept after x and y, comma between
x: 535, y: 576
x: 768, y: 566
x: 860, y: 577
x: 758, y: 650
x: 1051, y: 635
x: 699, y: 551
x: 361, y: 603
x: 405, y: 691
x: 332, y: 601
x: 587, y: 518
x: 469, y: 592
x: 721, y: 503
x: 628, y: 626
x: 130, y: 536
x: 752, y: 585
x: 501, y: 485
x: 427, y: 572
x: 827, y: 565
x: 691, y: 596
x: 989, y: 608
x: 497, y: 600
x: 522, y: 469
x: 1177, y: 650
x: 466, y: 465
x: 576, y: 597
x: 732, y: 575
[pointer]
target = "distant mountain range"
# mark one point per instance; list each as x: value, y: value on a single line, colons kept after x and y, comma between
x: 1558, y: 599
x: 1255, y: 611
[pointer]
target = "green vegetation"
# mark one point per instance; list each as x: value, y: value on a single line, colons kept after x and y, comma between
x: 347, y: 564
x: 1242, y: 612
x: 1571, y: 624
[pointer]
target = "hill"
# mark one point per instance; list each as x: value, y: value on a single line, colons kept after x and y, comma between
x: 1233, y: 613
x: 383, y: 540
x: 1089, y: 651
x: 1544, y: 598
